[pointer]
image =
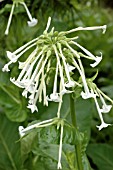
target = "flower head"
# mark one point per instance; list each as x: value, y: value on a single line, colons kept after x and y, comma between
x: 53, y: 51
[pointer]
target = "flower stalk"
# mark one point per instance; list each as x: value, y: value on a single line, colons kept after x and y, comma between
x: 78, y: 145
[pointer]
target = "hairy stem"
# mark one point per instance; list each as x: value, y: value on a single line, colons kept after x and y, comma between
x: 77, y: 146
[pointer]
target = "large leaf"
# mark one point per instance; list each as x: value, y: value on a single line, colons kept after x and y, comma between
x: 84, y: 115
x: 44, y: 144
x: 9, y: 149
x: 101, y: 155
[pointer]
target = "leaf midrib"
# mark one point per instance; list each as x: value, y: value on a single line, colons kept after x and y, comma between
x: 8, y: 152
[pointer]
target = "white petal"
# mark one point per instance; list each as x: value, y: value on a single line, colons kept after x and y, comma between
x: 103, y: 125
x: 31, y: 96
x: 32, y: 23
x: 64, y: 91
x: 70, y: 84
x: 87, y: 95
x: 97, y: 61
x: 106, y: 108
x: 11, y: 56
x: 59, y: 166
x: 5, y: 68
x: 20, y: 131
x: 104, y: 28
x: 31, y: 88
x: 24, y: 93
x: 17, y: 83
x: 70, y: 68
x: 53, y: 97
x: 21, y: 65
x: 33, y: 107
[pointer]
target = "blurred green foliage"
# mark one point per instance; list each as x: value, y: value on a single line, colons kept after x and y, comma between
x: 65, y: 15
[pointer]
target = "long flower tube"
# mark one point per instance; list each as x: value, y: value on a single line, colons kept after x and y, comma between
x: 103, y: 124
x: 64, y: 90
x: 88, y: 29
x: 59, y: 166
x: 24, y: 130
x: 14, y: 58
x: 70, y: 82
x: 54, y: 96
x: 9, y: 20
x: 87, y: 94
x: 97, y: 59
x: 31, y: 23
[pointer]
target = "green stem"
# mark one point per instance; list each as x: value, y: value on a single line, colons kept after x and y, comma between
x: 77, y: 146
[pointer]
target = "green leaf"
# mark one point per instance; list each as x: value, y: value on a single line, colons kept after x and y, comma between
x: 84, y: 115
x: 9, y: 150
x: 101, y: 155
x: 44, y: 143
x: 11, y: 100
x: 16, y: 113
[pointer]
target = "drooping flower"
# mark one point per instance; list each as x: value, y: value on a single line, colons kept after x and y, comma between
x: 31, y: 23
x: 103, y: 124
x: 96, y: 92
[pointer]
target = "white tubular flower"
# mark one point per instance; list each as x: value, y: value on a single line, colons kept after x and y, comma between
x: 11, y: 56
x: 27, y: 69
x: 17, y: 83
x: 105, y: 108
x: 33, y: 107
x: 48, y: 25
x: 59, y: 166
x: 10, y: 18
x: 103, y: 124
x: 36, y: 125
x: 60, y: 103
x: 64, y: 90
x: 44, y: 89
x: 24, y: 93
x: 88, y: 29
x: 25, y: 46
x: 97, y: 59
x: 21, y: 128
x: 68, y: 69
x: 33, y: 77
x: 32, y: 21
x: 6, y: 68
x: 54, y: 96
x: 86, y: 94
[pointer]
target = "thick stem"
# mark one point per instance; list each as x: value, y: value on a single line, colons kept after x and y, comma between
x: 77, y: 146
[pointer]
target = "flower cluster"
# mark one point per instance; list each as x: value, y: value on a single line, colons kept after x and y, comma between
x: 32, y: 21
x: 54, y: 52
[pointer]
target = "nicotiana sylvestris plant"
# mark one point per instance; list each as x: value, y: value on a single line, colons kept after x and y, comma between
x: 32, y: 21
x: 55, y: 52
